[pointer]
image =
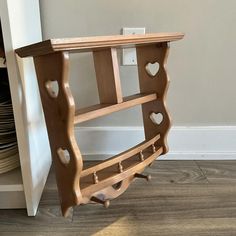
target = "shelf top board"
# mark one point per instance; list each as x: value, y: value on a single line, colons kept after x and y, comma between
x: 94, y: 43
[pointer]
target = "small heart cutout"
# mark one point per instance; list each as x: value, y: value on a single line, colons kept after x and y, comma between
x: 52, y: 88
x: 152, y: 68
x: 64, y: 155
x: 156, y: 118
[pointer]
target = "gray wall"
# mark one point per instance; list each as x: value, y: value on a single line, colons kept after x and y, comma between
x: 201, y: 67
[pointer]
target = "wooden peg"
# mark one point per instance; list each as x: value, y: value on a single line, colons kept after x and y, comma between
x: 105, y: 203
x: 153, y: 148
x: 120, y: 167
x: 141, y: 156
x: 95, y: 178
x: 147, y: 177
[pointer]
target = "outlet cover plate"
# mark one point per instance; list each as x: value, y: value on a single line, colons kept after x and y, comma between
x: 129, y: 57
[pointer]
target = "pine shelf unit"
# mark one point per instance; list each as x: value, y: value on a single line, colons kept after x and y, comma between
x: 110, y: 178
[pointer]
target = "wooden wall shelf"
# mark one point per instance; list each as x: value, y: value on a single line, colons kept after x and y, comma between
x: 98, y: 110
x: 110, y: 178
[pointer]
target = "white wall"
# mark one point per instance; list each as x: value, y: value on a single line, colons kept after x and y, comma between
x: 201, y: 69
x: 21, y: 26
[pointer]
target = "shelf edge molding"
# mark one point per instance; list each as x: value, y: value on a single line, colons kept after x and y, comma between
x: 95, y: 43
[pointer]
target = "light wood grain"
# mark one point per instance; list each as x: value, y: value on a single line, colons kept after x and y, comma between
x: 93, y: 43
x: 108, y: 76
x: 59, y: 114
x: 109, y: 177
x: 99, y: 110
x: 121, y: 157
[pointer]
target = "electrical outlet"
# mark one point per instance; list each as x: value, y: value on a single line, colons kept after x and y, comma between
x: 129, y: 57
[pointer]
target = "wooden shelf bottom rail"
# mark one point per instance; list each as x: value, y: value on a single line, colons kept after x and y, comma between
x: 119, y: 167
x: 120, y: 157
x: 111, y: 176
x: 99, y: 110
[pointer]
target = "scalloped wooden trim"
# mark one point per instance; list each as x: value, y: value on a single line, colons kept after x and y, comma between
x: 158, y: 84
x: 59, y: 115
x: 94, y: 43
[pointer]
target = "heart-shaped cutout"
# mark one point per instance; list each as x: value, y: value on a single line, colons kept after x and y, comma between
x: 156, y: 118
x: 152, y: 68
x: 52, y: 88
x: 64, y: 155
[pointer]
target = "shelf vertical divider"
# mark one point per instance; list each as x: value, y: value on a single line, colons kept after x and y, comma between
x: 107, y: 75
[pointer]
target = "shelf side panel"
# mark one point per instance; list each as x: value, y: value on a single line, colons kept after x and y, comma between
x: 153, y: 77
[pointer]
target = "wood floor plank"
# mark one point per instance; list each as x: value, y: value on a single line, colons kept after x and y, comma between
x: 219, y: 171
x: 178, y: 201
x: 164, y: 209
x: 176, y: 172
x: 47, y: 219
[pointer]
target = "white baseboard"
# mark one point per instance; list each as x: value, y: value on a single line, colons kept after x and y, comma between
x: 186, y: 143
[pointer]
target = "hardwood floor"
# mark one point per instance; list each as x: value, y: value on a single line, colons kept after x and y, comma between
x: 183, y: 198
